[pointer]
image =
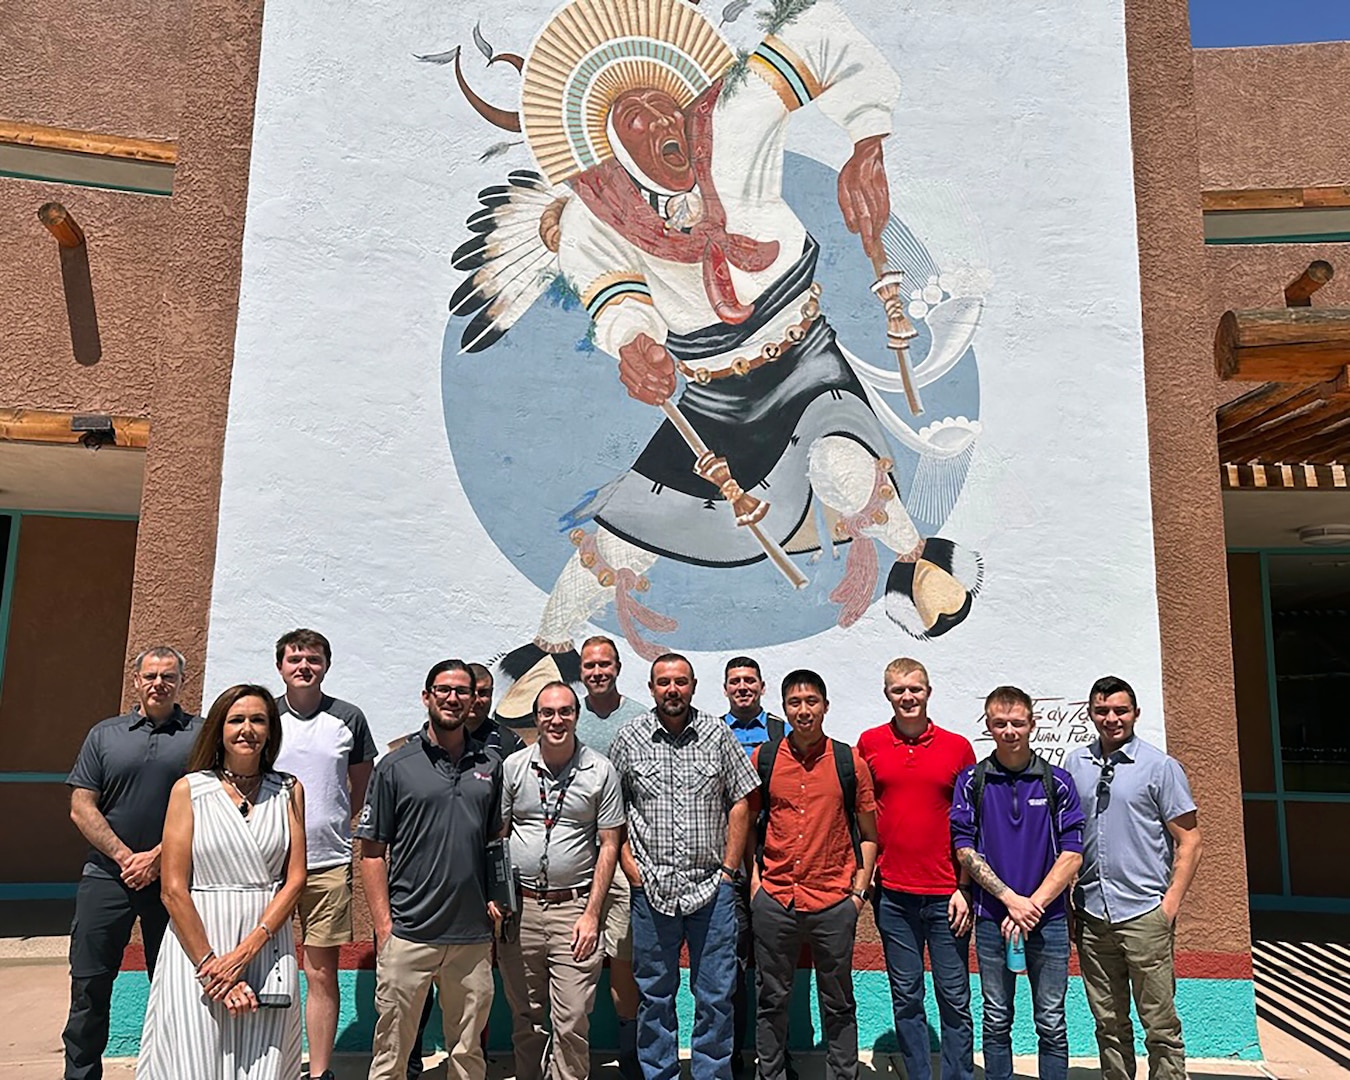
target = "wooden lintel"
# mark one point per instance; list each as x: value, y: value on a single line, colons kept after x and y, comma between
x: 1299, y: 345
x: 1292, y: 198
x: 42, y: 426
x: 74, y: 141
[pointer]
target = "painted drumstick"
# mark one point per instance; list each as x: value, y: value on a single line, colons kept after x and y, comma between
x: 899, y: 330
x: 749, y: 511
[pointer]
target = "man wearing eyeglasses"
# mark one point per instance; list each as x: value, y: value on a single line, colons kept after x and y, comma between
x: 1141, y: 847
x: 119, y: 793
x: 433, y: 804
x: 563, y: 811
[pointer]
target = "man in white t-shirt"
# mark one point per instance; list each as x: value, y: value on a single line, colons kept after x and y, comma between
x: 326, y: 743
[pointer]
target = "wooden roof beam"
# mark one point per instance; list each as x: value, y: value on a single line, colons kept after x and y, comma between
x: 1293, y: 345
x: 1319, y: 418
x: 42, y: 426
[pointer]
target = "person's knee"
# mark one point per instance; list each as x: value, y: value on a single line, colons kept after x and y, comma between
x: 321, y: 965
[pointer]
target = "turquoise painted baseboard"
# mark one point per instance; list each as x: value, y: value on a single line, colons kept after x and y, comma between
x: 1218, y: 1016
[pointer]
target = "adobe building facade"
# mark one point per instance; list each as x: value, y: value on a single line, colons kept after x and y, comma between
x: 203, y: 533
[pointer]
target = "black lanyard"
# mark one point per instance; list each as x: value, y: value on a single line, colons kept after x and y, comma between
x: 551, y: 816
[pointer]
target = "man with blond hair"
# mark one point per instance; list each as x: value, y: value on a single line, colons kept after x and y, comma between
x: 923, y: 898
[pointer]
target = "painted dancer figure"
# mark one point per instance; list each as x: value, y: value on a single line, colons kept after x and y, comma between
x: 661, y: 202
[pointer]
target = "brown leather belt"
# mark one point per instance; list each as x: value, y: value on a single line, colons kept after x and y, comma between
x: 768, y: 352
x: 554, y: 896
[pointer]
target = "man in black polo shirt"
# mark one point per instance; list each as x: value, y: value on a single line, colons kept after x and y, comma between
x: 433, y: 804
x: 119, y: 793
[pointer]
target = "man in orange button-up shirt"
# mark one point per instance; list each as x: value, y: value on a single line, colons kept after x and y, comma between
x: 810, y: 880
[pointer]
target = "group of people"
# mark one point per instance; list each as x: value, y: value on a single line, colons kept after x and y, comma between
x: 634, y: 830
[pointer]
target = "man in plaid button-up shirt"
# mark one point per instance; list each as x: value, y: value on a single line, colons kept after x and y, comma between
x: 685, y: 779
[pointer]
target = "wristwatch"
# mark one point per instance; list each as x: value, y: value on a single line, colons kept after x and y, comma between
x: 862, y: 894
x: 736, y: 874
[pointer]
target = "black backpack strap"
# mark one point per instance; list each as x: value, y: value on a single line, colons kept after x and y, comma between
x: 768, y: 752
x: 848, y: 783
x: 776, y: 726
x: 977, y: 782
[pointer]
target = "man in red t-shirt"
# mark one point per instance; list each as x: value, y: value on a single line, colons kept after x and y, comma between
x: 810, y: 878
x: 922, y: 899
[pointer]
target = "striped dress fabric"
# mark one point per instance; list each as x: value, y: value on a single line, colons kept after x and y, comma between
x: 237, y: 867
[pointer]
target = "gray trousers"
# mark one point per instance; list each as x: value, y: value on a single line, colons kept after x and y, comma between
x: 779, y: 935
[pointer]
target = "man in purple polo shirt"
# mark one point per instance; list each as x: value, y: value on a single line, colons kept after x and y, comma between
x: 1017, y: 827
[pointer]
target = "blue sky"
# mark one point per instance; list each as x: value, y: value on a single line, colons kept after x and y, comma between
x: 1225, y: 23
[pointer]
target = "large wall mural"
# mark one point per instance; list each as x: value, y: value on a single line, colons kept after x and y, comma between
x: 807, y: 328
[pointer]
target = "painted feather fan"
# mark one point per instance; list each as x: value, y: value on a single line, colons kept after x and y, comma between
x: 513, y: 256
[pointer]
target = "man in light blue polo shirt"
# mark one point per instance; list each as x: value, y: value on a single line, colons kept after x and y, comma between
x: 1141, y: 846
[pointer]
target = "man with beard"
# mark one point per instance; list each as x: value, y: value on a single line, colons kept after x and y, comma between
x: 604, y: 712
x: 433, y: 805
x: 685, y: 779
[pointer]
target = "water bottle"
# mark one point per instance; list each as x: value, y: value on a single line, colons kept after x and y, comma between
x: 1016, y: 953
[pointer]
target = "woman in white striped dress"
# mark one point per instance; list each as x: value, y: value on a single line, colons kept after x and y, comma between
x: 232, y: 868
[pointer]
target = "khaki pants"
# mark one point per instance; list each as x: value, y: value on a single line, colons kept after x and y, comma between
x: 542, y: 981
x: 403, y: 974
x: 1132, y: 958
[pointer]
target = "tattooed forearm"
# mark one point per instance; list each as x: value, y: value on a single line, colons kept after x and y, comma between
x: 980, y: 871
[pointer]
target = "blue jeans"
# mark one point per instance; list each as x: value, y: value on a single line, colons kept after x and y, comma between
x: 1048, y: 969
x: 906, y: 922
x: 711, y: 934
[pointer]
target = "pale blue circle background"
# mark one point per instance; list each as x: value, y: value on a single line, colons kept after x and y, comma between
x: 540, y: 419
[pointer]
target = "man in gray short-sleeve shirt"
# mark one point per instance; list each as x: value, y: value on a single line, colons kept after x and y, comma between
x: 563, y: 811
x: 433, y: 804
x: 119, y: 794
x: 1141, y: 845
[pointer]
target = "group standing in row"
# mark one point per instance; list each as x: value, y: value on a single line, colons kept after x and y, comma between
x: 634, y: 830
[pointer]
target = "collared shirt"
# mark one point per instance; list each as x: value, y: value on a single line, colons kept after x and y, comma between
x: 133, y: 765
x: 755, y: 731
x: 1015, y: 831
x: 678, y: 789
x: 913, y: 780
x: 318, y: 750
x: 437, y: 816
x: 592, y: 801
x: 808, y: 849
x: 1127, y: 850
x: 599, y: 731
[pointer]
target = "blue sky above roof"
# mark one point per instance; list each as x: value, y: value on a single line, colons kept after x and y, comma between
x: 1229, y: 23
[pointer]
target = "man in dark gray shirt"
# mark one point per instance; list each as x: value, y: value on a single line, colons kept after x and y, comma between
x: 433, y: 804
x: 119, y: 793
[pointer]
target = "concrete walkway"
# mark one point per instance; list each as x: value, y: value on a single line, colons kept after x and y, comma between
x: 35, y: 988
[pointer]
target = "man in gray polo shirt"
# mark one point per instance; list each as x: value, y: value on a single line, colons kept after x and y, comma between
x: 433, y: 804
x: 1141, y: 846
x: 562, y: 808
x: 119, y: 792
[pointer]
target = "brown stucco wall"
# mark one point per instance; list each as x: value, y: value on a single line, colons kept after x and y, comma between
x: 103, y: 65
x: 1277, y: 116
x: 127, y: 243
x: 176, y: 554
x: 1187, y: 513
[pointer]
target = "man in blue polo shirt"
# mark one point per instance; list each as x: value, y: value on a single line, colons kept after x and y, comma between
x: 119, y: 793
x: 753, y: 726
x: 1017, y: 827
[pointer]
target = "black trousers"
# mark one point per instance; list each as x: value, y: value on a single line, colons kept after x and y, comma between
x: 105, y: 910
x: 779, y: 935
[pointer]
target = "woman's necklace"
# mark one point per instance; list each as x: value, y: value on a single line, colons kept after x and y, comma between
x: 235, y: 780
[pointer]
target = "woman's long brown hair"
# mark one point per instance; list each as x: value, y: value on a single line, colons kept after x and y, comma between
x: 208, y: 752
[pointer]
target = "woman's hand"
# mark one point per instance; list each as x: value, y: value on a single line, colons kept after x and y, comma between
x: 240, y: 998
x: 221, y: 973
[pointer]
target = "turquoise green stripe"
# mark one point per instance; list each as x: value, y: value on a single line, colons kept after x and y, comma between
x: 1218, y: 1017
x: 37, y: 890
x: 32, y: 778
x: 1294, y: 238
x: 611, y: 292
